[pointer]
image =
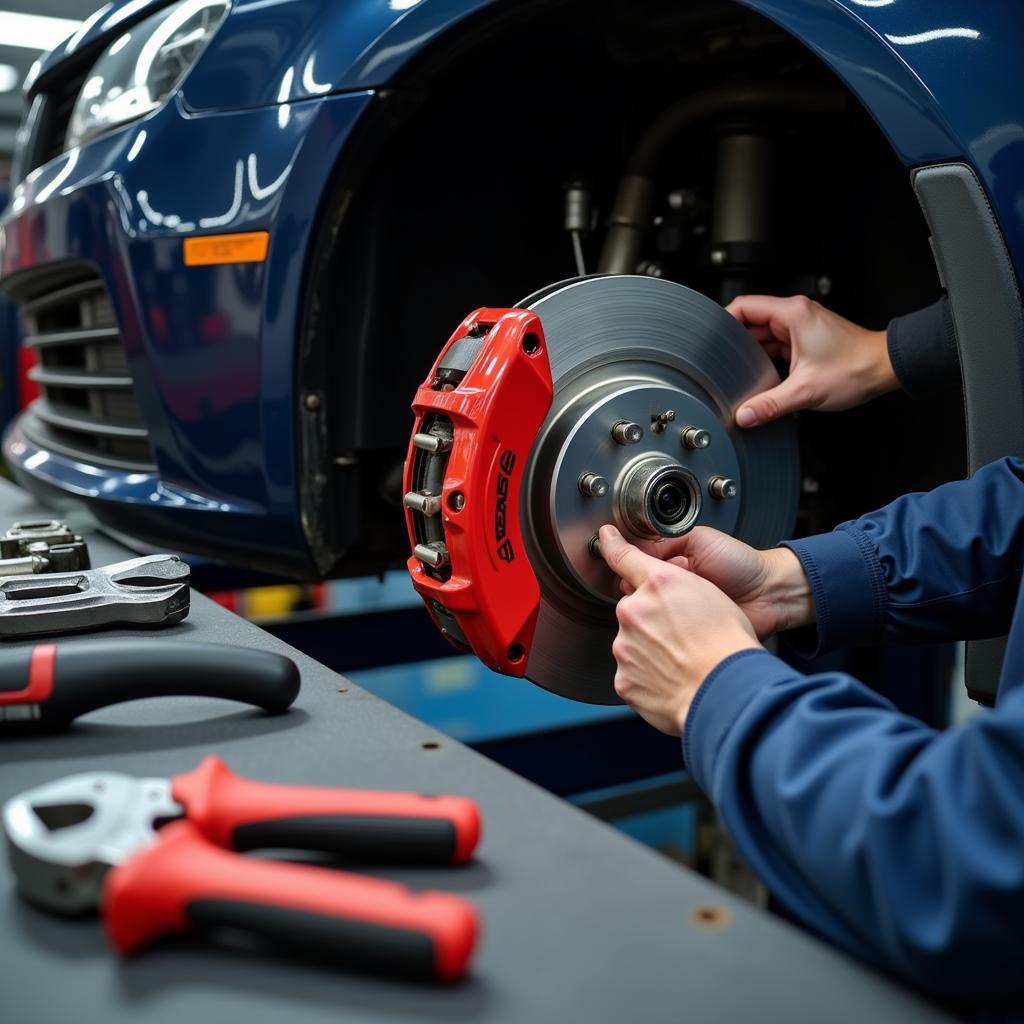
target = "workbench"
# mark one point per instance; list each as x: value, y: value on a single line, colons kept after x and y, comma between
x: 580, y: 923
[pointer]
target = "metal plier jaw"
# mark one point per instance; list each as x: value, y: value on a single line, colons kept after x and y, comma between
x: 102, y: 840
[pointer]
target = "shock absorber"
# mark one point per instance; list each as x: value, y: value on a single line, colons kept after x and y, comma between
x: 741, y: 223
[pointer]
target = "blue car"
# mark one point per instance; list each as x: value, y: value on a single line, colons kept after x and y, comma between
x: 241, y: 231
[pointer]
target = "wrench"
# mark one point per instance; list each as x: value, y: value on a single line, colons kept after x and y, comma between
x: 150, y: 591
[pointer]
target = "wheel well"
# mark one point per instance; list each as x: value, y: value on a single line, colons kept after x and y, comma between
x: 451, y: 197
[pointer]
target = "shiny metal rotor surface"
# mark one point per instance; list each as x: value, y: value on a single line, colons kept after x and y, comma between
x: 660, y: 357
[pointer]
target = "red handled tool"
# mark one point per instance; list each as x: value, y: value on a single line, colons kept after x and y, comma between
x: 49, y: 685
x: 90, y: 841
x: 477, y: 416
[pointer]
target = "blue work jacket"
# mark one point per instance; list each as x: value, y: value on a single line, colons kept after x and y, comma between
x: 901, y: 844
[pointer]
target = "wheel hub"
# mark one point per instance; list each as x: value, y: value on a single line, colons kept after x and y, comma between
x: 600, y: 400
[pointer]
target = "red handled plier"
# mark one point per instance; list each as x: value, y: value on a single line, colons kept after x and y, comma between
x: 92, y: 840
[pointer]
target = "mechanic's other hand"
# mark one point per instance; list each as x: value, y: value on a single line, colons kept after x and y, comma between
x: 674, y: 628
x: 769, y: 587
x: 833, y: 363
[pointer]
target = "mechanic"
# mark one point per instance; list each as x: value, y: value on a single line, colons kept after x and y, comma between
x: 900, y: 843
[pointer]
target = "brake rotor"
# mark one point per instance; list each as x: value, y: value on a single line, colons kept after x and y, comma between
x: 604, y: 399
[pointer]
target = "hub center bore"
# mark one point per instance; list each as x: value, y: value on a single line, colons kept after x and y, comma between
x: 659, y: 498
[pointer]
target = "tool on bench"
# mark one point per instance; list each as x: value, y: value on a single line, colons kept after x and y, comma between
x: 91, y: 841
x: 600, y: 400
x: 49, y: 685
x: 41, y: 545
x: 150, y: 591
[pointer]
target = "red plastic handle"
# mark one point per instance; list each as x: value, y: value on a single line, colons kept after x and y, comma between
x: 183, y: 883
x: 360, y: 824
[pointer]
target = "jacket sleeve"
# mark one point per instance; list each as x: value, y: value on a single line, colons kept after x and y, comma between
x: 923, y: 352
x: 900, y: 844
x: 936, y: 566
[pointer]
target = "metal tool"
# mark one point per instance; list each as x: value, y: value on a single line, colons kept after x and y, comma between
x: 41, y: 545
x: 149, y: 592
x: 49, y: 685
x: 91, y: 841
x: 600, y: 400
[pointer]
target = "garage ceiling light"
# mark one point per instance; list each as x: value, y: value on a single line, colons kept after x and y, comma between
x: 9, y: 78
x: 34, y: 31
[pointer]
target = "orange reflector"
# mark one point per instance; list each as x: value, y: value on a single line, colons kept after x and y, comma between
x: 246, y: 247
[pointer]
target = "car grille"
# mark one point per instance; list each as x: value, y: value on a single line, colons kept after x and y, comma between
x: 87, y: 408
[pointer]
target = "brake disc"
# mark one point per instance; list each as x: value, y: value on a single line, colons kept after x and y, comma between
x: 604, y: 399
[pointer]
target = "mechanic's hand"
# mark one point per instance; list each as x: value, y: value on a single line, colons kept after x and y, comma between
x: 833, y: 363
x: 674, y: 628
x: 769, y: 587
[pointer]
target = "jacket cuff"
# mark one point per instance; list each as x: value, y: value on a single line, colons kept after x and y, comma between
x: 720, y: 701
x: 848, y: 587
x: 923, y: 350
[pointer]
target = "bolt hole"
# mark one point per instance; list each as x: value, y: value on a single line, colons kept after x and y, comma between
x: 456, y: 501
x: 430, y: 745
x: 709, y: 916
x: 531, y: 344
x: 516, y: 652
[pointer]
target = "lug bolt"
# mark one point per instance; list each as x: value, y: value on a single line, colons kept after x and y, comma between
x: 435, y: 555
x: 594, y: 546
x: 695, y: 437
x: 625, y: 432
x: 660, y: 422
x: 312, y: 402
x: 721, y: 487
x: 593, y: 486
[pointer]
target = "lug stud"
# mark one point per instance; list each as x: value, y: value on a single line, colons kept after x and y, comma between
x: 625, y: 432
x: 594, y: 546
x: 593, y: 486
x: 695, y: 437
x: 721, y: 487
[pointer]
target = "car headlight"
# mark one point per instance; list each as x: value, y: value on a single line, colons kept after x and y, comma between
x: 141, y: 68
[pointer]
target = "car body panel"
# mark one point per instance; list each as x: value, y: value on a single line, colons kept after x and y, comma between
x: 250, y: 142
x: 211, y: 348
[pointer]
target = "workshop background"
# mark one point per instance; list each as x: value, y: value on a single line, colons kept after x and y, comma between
x: 338, y: 590
x: 374, y: 630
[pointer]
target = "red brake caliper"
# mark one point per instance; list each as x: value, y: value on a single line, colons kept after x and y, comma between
x: 477, y: 416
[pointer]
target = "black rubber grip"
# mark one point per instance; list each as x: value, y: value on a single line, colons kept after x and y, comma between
x: 358, y: 945
x: 14, y: 668
x: 99, y: 673
x: 357, y: 838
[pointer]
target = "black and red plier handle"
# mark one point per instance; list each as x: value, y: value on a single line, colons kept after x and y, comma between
x: 187, y: 880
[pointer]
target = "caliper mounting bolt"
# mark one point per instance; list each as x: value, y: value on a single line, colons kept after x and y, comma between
x: 721, y: 487
x: 593, y: 486
x: 423, y: 501
x: 625, y: 432
x: 435, y: 444
x: 695, y: 437
x: 434, y: 554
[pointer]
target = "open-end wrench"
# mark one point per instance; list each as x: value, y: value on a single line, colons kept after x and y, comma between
x: 149, y: 592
